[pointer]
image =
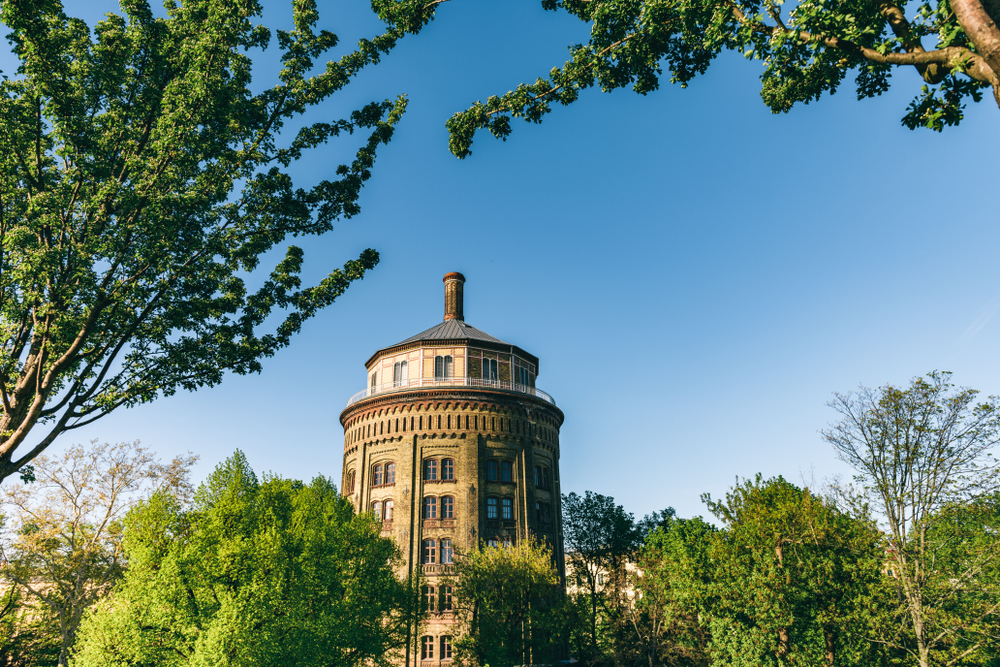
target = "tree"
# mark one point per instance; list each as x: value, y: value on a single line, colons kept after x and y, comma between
x: 671, y: 578
x: 918, y: 453
x: 62, y: 545
x: 600, y: 538
x: 806, y: 51
x: 507, y: 601
x: 140, y: 181
x: 272, y: 573
x: 29, y: 636
x: 790, y: 578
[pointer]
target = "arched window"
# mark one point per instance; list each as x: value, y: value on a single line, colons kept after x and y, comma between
x: 430, y: 507
x: 349, y: 484
x: 508, y: 508
x: 445, y: 647
x: 542, y: 512
x: 430, y: 470
x: 430, y: 598
x: 374, y: 382
x: 447, y: 552
x: 442, y: 367
x: 447, y: 507
x: 390, y: 473
x: 429, y: 552
x: 427, y: 648
x: 377, y: 475
x: 506, y: 471
x: 491, y: 508
x: 377, y: 510
x: 491, y: 471
x: 387, y: 510
x: 447, y: 469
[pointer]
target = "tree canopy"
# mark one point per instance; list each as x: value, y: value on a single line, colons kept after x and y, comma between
x: 141, y: 180
x: 807, y: 48
x: 255, y: 573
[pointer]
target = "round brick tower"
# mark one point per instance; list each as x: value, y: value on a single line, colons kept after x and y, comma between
x: 452, y: 445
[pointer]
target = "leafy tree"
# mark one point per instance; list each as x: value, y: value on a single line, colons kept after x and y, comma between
x: 141, y: 179
x: 671, y: 577
x: 600, y: 538
x: 62, y: 543
x: 29, y: 634
x: 272, y: 573
x: 791, y: 575
x: 508, y: 604
x: 921, y: 454
x: 807, y: 49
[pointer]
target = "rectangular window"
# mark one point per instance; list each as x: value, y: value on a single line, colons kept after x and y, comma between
x: 431, y: 470
x: 442, y: 367
x: 446, y: 647
x: 506, y: 471
x: 448, y: 469
x: 538, y: 476
x: 491, y: 508
x: 427, y: 648
x: 491, y: 471
x: 374, y: 382
x: 430, y: 508
x: 377, y: 510
x: 430, y: 597
x: 447, y: 507
x: 399, y: 374
x: 447, y: 555
x: 446, y: 598
x: 490, y: 369
x: 430, y: 552
x: 508, y: 508
x: 387, y: 512
x: 390, y: 473
x: 377, y: 476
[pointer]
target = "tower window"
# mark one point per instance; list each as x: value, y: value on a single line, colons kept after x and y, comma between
x: 377, y: 510
x: 430, y: 597
x: 430, y: 507
x: 390, y: 473
x: 491, y: 471
x: 522, y: 375
x: 446, y: 598
x: 374, y: 381
x: 490, y: 369
x: 430, y: 470
x: 508, y: 508
x: 377, y: 475
x: 506, y: 471
x: 541, y: 477
x: 448, y: 469
x: 447, y: 557
x: 349, y: 484
x: 542, y: 512
x: 447, y: 507
x: 427, y: 648
x: 399, y: 374
x: 387, y: 511
x: 491, y: 508
x: 445, y: 647
x: 430, y: 552
x: 442, y: 367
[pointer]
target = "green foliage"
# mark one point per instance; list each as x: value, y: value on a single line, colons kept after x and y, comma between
x: 141, y: 179
x: 807, y: 49
x: 509, y: 606
x: 29, y: 633
x: 792, y: 580
x: 255, y: 573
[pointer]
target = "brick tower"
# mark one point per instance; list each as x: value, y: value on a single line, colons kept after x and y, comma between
x: 452, y: 445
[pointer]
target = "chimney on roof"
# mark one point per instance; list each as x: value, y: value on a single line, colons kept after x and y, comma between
x: 453, y: 296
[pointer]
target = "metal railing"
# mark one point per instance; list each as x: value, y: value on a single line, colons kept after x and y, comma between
x: 421, y: 383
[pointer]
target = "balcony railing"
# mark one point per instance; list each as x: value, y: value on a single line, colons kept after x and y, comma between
x: 428, y: 383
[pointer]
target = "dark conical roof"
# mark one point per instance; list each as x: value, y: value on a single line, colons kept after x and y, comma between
x: 452, y: 330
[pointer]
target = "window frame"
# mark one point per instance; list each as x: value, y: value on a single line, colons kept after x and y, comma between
x: 493, y: 508
x: 388, y: 506
x: 447, y: 507
x: 492, y: 468
x: 430, y: 510
x: 430, y: 470
x: 428, y: 552
x: 449, y: 466
x: 447, y: 549
x: 507, y: 509
x: 507, y: 471
x: 427, y: 647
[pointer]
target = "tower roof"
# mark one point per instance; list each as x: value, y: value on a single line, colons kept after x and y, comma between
x: 452, y: 330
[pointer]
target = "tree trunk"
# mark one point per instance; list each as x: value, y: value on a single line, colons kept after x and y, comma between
x: 979, y: 19
x: 830, y: 637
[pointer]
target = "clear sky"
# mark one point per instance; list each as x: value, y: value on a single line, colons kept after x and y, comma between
x: 697, y: 275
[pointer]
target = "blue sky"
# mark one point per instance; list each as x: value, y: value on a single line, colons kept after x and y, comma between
x: 697, y: 275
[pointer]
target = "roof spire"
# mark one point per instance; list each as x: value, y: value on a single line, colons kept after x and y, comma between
x: 453, y: 296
